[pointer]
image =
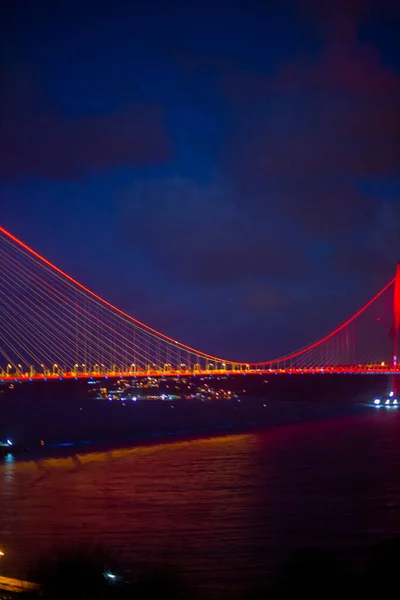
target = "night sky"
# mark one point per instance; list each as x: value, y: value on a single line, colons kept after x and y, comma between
x: 227, y: 172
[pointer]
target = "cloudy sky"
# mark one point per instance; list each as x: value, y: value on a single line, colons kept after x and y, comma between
x: 226, y: 171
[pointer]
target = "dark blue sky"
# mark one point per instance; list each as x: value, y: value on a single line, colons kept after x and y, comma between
x: 227, y: 172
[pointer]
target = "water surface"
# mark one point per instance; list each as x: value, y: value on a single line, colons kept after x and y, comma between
x: 226, y: 510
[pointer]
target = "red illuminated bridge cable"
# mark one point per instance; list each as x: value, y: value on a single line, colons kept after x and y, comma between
x: 105, y: 302
x: 171, y: 340
x: 334, y: 332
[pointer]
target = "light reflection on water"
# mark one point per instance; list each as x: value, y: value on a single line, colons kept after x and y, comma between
x: 223, y: 509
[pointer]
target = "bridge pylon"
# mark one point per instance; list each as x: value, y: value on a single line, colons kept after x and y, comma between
x: 394, y: 332
x: 396, y: 318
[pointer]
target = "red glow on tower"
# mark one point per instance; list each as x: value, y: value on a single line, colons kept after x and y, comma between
x: 396, y: 315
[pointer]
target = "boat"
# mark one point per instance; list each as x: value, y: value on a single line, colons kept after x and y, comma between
x: 389, y: 401
x: 7, y: 448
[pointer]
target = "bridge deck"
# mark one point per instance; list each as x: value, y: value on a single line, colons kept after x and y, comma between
x: 353, y: 369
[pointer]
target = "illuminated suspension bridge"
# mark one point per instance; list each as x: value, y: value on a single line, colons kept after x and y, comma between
x: 52, y: 327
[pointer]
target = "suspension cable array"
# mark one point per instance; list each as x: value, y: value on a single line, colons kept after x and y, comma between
x: 51, y: 325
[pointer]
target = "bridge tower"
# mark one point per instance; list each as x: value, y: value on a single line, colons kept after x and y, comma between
x: 394, y: 332
x: 396, y: 318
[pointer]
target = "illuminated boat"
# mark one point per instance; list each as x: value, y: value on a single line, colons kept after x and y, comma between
x: 388, y: 401
x: 8, y: 447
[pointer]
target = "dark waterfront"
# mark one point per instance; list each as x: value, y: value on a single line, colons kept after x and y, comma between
x: 72, y: 411
x: 224, y: 510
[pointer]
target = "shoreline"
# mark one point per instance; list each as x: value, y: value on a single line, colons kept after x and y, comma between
x: 147, y: 440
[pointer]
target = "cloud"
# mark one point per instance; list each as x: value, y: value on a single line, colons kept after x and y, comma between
x: 260, y: 299
x: 199, y: 234
x: 326, y: 15
x: 326, y: 12
x: 375, y: 250
x: 304, y: 139
x: 38, y: 138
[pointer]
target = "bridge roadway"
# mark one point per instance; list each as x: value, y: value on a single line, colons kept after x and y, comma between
x: 61, y: 375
